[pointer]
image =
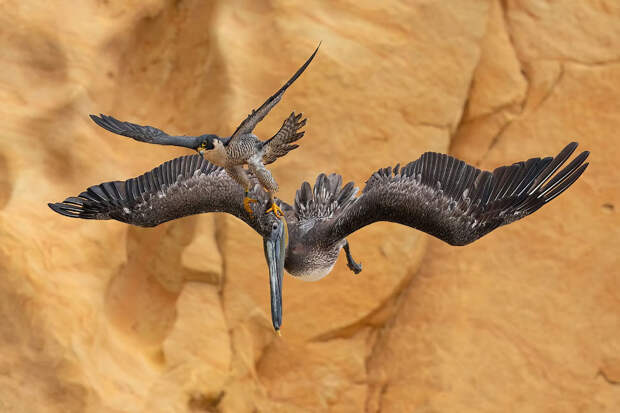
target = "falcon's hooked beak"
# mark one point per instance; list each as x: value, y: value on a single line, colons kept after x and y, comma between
x: 275, y: 252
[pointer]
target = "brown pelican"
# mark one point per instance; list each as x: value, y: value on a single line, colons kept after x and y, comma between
x: 437, y: 194
x: 231, y: 153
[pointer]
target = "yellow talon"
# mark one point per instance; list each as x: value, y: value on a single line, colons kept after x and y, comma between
x: 246, y: 204
x: 276, y: 210
x: 278, y: 333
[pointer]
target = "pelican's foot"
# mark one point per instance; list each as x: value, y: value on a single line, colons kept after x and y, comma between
x: 246, y: 204
x: 276, y: 210
x: 353, y: 266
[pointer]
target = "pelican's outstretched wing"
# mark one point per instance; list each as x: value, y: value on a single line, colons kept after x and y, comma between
x: 177, y: 188
x: 146, y: 134
x: 248, y: 125
x: 453, y: 201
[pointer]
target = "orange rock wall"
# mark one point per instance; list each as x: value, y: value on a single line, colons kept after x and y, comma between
x: 102, y: 317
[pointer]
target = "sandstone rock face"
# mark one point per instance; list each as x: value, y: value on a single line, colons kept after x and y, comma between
x: 102, y: 317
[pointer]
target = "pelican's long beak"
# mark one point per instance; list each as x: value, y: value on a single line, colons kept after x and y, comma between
x: 275, y: 253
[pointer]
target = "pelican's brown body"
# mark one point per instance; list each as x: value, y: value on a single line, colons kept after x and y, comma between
x: 437, y: 194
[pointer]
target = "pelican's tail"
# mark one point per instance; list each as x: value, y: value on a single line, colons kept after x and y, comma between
x: 328, y: 198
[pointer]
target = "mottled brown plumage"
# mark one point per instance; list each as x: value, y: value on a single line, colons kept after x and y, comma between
x: 437, y: 194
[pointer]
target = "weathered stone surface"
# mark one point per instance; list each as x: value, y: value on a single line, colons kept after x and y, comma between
x: 498, y: 82
x: 100, y: 317
x: 578, y: 31
x: 524, y: 319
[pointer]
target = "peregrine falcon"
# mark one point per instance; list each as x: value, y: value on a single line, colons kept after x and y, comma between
x: 231, y: 153
x: 437, y: 194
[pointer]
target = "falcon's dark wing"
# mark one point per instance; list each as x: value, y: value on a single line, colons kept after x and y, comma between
x: 280, y: 144
x: 146, y: 134
x: 453, y: 201
x: 248, y: 125
x: 183, y: 186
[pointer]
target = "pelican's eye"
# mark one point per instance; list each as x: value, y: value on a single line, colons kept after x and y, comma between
x: 274, y: 226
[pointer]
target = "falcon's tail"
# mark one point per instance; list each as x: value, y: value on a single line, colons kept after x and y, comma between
x: 279, y: 144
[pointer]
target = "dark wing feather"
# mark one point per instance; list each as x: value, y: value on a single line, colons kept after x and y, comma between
x: 248, y: 125
x: 146, y: 134
x: 183, y: 186
x: 280, y: 144
x: 453, y: 201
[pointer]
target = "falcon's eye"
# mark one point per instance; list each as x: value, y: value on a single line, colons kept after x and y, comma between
x: 206, y: 145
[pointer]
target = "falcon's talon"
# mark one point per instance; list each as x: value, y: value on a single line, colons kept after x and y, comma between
x: 276, y: 210
x: 246, y: 204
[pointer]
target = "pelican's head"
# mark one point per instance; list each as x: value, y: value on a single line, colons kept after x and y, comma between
x: 275, y: 242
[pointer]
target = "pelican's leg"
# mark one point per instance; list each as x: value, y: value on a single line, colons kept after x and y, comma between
x: 353, y: 266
